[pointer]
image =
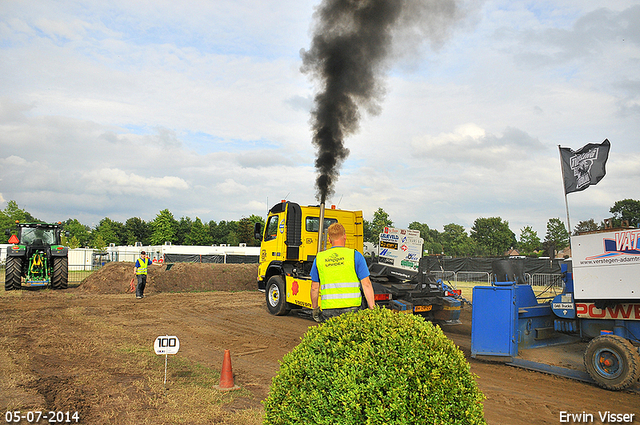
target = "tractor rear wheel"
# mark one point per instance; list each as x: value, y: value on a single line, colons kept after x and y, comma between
x: 613, y: 362
x: 60, y: 274
x: 13, y: 273
x: 276, y: 295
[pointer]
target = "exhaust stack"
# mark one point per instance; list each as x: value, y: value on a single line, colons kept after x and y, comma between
x: 321, y: 228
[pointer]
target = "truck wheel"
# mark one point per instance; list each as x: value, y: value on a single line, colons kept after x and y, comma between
x: 13, y: 273
x: 612, y: 361
x: 276, y: 296
x: 60, y: 274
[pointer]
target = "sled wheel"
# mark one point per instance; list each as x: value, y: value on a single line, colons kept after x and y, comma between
x: 612, y: 361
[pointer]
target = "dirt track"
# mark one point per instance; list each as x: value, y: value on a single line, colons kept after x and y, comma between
x: 41, y: 328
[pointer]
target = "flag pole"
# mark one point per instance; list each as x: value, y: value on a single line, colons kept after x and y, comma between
x: 564, y: 189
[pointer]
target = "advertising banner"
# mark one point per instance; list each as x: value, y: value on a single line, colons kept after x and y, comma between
x: 400, y: 248
x: 606, y: 265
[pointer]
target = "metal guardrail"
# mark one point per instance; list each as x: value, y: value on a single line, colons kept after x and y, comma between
x: 463, y: 276
x: 535, y: 279
x: 545, y: 279
x: 445, y: 275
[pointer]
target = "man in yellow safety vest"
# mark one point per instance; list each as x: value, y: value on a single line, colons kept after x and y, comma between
x: 140, y: 269
x: 337, y: 275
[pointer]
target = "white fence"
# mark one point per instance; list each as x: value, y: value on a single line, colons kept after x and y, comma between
x: 82, y: 261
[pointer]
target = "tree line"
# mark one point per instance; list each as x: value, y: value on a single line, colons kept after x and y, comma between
x: 487, y: 237
x: 490, y: 237
x: 163, y: 228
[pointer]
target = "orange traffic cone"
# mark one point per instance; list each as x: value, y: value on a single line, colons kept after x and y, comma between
x: 226, y: 376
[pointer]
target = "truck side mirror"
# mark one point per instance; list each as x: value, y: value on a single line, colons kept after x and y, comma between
x: 257, y: 231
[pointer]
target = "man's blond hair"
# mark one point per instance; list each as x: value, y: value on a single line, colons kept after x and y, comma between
x: 336, y: 231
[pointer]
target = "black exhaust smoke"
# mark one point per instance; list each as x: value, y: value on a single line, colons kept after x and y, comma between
x: 352, y: 42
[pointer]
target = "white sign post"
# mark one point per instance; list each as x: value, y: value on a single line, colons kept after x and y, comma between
x: 166, y: 345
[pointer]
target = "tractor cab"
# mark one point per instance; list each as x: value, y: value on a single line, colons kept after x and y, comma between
x: 39, y: 236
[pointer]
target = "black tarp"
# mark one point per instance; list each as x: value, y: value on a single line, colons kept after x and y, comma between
x: 470, y: 264
x: 211, y: 258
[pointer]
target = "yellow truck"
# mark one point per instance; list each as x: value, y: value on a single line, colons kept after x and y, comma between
x: 291, y: 239
x: 289, y: 246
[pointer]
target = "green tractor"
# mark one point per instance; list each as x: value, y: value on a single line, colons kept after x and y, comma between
x: 37, y: 256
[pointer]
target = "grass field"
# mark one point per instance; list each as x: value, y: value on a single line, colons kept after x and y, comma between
x: 541, y: 292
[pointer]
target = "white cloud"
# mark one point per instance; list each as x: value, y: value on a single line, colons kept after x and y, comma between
x: 471, y: 143
x: 114, y: 181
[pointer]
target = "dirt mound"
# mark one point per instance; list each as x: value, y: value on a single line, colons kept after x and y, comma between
x: 114, y: 278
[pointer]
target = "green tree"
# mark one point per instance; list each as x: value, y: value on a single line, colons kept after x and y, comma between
x: 232, y: 238
x: 586, y: 226
x: 367, y: 232
x: 14, y: 212
x: 199, y: 234
x: 493, y: 236
x: 164, y: 228
x: 425, y: 231
x: 557, y: 237
x: 529, y: 241
x: 380, y: 221
x: 98, y: 242
x: 255, y: 219
x: 110, y: 231
x: 72, y: 242
x: 456, y: 242
x: 224, y: 232
x: 8, y: 218
x: 245, y: 231
x: 183, y: 229
x: 79, y: 231
x: 431, y: 237
x: 213, y: 232
x: 137, y: 230
x: 627, y: 209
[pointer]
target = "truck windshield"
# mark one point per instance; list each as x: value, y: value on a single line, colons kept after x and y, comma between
x: 38, y: 236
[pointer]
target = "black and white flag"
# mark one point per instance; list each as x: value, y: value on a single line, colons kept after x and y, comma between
x: 584, y: 167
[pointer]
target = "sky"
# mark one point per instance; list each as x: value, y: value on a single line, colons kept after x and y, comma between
x: 121, y: 109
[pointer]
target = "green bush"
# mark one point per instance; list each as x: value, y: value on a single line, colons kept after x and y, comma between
x: 374, y: 367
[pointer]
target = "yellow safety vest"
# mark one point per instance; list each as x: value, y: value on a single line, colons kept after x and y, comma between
x: 339, y: 283
x: 143, y: 264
